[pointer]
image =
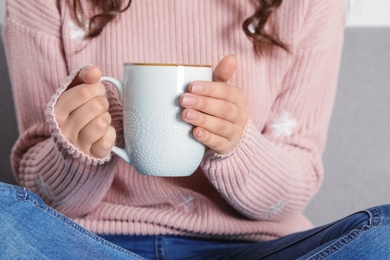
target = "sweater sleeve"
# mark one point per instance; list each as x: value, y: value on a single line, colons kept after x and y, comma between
x: 41, y: 159
x: 275, y: 170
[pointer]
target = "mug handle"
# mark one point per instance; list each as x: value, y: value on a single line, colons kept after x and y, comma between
x: 119, y: 85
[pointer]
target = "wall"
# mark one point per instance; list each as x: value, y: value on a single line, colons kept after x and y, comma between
x: 2, y: 10
x: 365, y: 13
x: 362, y: 13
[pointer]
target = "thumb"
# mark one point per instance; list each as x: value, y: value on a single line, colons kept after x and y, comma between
x: 225, y: 68
x: 89, y: 74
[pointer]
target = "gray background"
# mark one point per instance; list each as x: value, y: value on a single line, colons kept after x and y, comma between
x: 2, y: 10
x: 357, y: 155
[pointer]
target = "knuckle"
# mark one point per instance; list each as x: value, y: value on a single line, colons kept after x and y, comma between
x: 107, y: 141
x: 107, y: 117
x: 202, y: 120
x: 227, y: 110
x: 202, y: 104
x: 101, y: 88
x: 100, y: 105
x: 89, y: 91
x: 99, y: 85
x: 208, y: 89
x: 85, y: 92
x: 101, y: 123
x: 229, y: 93
x: 221, y: 127
x: 106, y: 144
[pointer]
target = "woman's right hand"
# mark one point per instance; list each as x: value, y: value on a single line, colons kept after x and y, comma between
x: 82, y: 114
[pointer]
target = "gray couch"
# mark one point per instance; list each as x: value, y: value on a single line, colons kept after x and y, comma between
x: 357, y: 157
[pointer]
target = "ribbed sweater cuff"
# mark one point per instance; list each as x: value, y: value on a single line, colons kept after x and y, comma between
x: 248, y: 189
x: 234, y: 162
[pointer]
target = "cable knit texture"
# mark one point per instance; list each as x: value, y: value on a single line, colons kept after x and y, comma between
x: 257, y: 192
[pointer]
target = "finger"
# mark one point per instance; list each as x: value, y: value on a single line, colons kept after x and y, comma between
x: 210, y: 123
x: 215, y: 142
x: 225, y: 69
x: 88, y: 74
x: 218, y: 90
x: 94, y: 131
x: 80, y: 117
x: 74, y: 98
x: 211, y: 106
x: 103, y: 146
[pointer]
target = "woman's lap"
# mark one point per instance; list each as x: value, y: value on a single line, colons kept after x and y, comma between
x: 31, y: 229
x: 354, y: 237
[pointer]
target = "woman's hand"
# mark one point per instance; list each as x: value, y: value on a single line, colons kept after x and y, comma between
x: 217, y: 109
x: 82, y: 114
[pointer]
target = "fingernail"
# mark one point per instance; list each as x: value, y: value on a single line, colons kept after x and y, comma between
x: 85, y: 70
x: 191, y: 115
x: 91, y: 67
x: 200, y: 134
x: 197, y: 88
x: 188, y: 100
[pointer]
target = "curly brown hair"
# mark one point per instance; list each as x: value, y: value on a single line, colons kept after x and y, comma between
x: 254, y: 26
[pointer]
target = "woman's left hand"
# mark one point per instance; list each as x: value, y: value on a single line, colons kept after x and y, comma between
x: 217, y: 109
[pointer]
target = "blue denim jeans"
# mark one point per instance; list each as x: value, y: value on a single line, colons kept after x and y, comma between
x: 31, y: 230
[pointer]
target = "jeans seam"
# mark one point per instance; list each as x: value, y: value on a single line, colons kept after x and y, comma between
x: 338, y: 244
x: 374, y: 220
x: 375, y: 216
x: 21, y: 194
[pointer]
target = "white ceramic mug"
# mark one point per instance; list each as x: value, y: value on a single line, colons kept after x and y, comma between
x: 157, y: 141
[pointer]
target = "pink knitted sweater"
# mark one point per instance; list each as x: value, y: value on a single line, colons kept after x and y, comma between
x: 257, y: 192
